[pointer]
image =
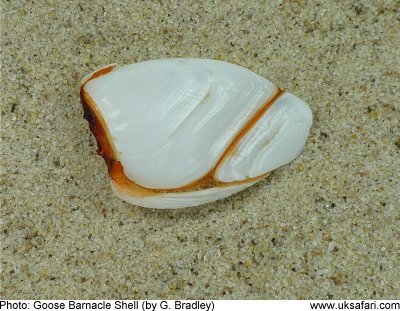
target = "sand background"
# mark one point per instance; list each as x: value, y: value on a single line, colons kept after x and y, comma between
x: 325, y: 226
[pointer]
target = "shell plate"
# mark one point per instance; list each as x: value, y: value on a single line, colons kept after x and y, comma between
x: 184, y: 132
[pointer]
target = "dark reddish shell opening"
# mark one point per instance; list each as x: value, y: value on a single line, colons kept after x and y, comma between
x: 96, y: 125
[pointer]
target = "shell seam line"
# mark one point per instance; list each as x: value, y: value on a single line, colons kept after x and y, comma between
x: 248, y: 126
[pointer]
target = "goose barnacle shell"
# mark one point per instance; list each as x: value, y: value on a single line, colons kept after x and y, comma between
x: 184, y: 132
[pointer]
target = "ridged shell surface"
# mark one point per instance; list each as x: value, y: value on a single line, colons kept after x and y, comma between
x: 183, y: 132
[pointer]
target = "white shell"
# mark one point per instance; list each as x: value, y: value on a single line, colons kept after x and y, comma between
x: 185, y: 132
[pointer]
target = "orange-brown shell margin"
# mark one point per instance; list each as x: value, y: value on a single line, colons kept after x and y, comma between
x: 106, y: 149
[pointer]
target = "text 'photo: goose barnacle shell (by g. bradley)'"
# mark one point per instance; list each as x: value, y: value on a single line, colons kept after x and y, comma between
x: 185, y: 132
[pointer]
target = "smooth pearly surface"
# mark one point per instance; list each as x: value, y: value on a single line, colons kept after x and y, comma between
x: 174, y: 121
